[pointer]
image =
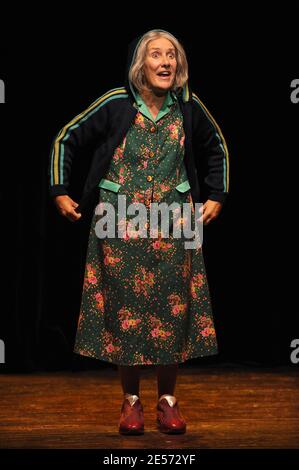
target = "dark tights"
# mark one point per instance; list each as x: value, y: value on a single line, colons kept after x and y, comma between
x: 166, y: 379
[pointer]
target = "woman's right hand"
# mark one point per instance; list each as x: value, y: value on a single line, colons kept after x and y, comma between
x: 66, y: 207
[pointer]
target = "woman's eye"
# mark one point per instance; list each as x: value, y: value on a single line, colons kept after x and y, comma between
x: 156, y: 55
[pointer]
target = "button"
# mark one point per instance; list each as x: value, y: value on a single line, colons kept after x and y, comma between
x: 149, y: 178
x: 153, y: 129
x: 151, y: 154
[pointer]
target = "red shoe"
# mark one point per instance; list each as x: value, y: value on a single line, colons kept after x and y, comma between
x: 169, y: 418
x: 131, y: 418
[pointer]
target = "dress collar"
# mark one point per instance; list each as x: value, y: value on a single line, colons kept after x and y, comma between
x: 169, y: 100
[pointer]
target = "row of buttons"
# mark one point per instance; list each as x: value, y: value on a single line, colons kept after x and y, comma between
x: 151, y: 154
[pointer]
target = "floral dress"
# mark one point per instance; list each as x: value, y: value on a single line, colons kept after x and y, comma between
x: 145, y: 300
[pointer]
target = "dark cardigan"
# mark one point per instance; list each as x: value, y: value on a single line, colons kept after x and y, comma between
x: 106, y: 122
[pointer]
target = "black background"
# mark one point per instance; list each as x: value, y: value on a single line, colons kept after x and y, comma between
x: 241, y: 67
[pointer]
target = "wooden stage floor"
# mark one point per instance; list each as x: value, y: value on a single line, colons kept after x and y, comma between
x: 225, y: 407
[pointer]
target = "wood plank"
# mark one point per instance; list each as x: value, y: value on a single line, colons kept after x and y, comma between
x: 224, y: 408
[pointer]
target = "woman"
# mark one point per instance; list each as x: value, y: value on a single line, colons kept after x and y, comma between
x: 145, y: 301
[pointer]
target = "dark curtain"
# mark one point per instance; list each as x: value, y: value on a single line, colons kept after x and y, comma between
x: 245, y: 83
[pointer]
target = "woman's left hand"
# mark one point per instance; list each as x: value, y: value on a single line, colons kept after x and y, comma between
x: 210, y: 211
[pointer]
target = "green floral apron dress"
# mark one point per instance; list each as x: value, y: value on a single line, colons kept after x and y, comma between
x: 145, y: 300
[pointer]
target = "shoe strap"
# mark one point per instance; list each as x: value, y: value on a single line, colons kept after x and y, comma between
x: 171, y: 399
x: 132, y: 398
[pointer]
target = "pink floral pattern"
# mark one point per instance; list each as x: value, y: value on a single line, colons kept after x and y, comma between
x: 146, y: 300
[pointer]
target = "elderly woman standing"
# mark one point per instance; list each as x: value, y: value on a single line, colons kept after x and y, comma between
x: 145, y: 300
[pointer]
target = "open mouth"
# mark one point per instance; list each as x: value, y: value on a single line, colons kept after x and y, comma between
x: 164, y: 75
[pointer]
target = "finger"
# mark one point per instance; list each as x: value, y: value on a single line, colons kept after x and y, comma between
x: 73, y: 218
x: 201, y: 212
x: 208, y: 219
x: 72, y: 215
x: 207, y: 214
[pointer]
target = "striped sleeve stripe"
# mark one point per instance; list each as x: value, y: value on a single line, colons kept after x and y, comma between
x: 57, y: 157
x: 221, y: 140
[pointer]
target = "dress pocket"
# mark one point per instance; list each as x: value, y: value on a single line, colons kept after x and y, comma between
x: 183, y: 187
x: 110, y: 185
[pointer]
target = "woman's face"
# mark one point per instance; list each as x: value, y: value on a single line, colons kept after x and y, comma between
x: 160, y: 65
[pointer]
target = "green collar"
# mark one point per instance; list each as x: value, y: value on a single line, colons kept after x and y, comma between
x: 168, y: 102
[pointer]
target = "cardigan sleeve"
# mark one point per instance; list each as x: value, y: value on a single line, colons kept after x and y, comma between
x: 211, y: 153
x: 85, y: 128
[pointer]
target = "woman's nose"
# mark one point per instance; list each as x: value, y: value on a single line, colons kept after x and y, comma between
x: 165, y: 60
